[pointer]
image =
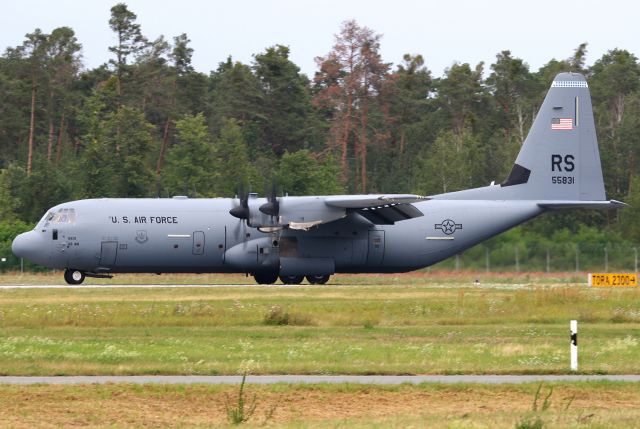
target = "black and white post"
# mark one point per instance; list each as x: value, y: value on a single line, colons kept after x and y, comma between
x: 573, y: 328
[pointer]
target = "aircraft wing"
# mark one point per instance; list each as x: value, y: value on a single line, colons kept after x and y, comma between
x: 370, y: 201
x: 379, y: 209
x: 303, y: 213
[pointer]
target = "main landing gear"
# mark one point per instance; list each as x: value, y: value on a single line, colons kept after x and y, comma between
x: 291, y: 280
x: 73, y: 277
x: 267, y: 278
x: 318, y: 280
x: 270, y: 278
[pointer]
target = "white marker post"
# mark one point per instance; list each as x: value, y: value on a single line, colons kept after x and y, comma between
x: 573, y: 328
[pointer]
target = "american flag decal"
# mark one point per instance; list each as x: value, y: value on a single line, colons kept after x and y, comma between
x: 562, y: 124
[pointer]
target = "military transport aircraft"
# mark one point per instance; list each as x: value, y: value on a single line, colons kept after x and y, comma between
x: 316, y: 236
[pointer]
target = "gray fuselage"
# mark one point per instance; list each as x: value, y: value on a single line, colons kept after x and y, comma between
x: 199, y: 235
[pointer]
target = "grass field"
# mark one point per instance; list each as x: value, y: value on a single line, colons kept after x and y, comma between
x: 410, y: 324
x: 419, y: 325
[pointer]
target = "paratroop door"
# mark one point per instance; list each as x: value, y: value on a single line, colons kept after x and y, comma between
x: 375, y: 255
x: 108, y: 254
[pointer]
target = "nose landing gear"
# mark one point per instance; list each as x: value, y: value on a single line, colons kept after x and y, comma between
x: 73, y: 277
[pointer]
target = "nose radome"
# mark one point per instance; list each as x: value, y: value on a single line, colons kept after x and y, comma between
x: 28, y: 246
x: 19, y: 245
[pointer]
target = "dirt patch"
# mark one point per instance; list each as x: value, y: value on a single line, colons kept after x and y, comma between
x: 125, y: 405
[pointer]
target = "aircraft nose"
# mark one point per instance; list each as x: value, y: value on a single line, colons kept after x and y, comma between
x: 28, y: 246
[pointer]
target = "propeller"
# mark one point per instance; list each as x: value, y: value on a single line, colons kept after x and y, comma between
x: 241, y: 211
x: 272, y: 206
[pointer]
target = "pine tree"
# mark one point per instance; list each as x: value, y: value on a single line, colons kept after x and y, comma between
x: 191, y: 165
x: 234, y: 169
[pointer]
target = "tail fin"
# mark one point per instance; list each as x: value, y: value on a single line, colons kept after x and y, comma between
x: 559, y: 159
x: 559, y: 164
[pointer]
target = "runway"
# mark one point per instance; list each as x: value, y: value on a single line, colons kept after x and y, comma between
x: 227, y: 285
x: 316, y: 379
x: 143, y: 286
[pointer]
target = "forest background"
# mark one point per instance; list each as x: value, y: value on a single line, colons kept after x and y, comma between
x: 146, y: 124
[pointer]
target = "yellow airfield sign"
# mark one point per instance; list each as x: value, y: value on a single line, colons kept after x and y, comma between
x: 613, y: 280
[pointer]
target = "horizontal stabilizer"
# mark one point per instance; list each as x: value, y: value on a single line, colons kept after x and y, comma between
x: 563, y: 205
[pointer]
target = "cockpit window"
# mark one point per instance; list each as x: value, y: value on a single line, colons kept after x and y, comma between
x: 64, y: 215
x: 46, y: 219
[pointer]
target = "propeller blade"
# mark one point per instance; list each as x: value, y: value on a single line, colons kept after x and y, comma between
x: 241, y: 211
x: 272, y: 206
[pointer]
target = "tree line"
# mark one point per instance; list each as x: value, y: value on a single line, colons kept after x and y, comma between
x: 146, y: 124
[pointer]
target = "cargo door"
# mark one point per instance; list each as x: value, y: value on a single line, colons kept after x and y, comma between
x: 375, y: 254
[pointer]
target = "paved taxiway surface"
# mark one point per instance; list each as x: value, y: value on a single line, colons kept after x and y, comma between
x: 126, y: 286
x: 227, y: 285
x: 314, y: 379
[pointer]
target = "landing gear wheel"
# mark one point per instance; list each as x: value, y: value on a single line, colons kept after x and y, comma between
x: 265, y: 278
x: 317, y: 279
x: 73, y: 277
x: 291, y: 280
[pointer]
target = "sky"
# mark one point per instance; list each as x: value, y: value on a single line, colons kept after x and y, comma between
x: 442, y: 31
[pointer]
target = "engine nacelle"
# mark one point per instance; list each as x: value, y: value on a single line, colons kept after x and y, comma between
x: 259, y: 254
x: 262, y: 254
x: 294, y: 213
x: 272, y: 214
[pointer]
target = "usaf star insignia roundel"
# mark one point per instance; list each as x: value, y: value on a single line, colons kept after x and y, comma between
x: 448, y: 226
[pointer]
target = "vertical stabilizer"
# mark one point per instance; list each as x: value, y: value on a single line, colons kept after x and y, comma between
x: 559, y: 159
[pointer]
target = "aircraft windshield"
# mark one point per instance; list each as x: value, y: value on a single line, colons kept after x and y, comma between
x: 61, y: 216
